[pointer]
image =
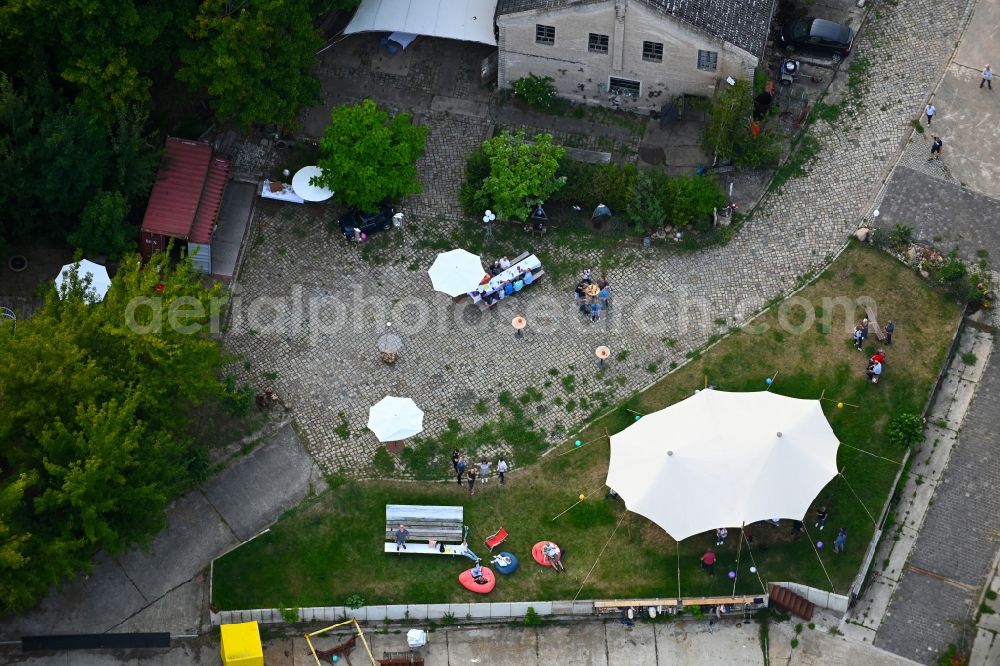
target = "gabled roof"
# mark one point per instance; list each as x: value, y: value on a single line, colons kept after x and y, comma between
x: 187, y: 193
x: 743, y: 23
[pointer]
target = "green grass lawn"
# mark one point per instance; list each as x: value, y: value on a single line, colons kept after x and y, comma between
x: 331, y: 546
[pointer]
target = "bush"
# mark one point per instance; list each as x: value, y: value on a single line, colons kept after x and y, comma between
x: 537, y: 91
x: 590, y: 184
x: 729, y: 130
x: 951, y: 272
x: 902, y: 235
x: 355, y: 601
x: 532, y: 618
x: 646, y: 211
x: 692, y: 199
x: 905, y: 429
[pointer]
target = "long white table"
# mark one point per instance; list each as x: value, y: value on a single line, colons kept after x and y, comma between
x: 530, y: 263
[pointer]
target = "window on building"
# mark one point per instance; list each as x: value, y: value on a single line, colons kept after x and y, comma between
x: 545, y: 34
x: 623, y: 87
x: 708, y: 60
x: 652, y: 51
x: 597, y: 43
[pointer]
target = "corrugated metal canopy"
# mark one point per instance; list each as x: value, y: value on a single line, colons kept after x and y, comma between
x: 173, y: 203
x: 211, y: 201
x: 466, y: 20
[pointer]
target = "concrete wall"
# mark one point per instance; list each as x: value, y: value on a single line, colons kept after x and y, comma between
x: 583, y: 76
x: 822, y: 598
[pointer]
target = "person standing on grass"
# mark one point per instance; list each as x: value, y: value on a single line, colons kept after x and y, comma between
x: 708, y: 562
x: 930, y: 110
x: 501, y: 469
x: 484, y: 471
x: 456, y: 455
x: 471, y: 476
x: 987, y: 77
x: 401, y: 535
x: 858, y: 338
x: 460, y: 469
x: 720, y: 535
x: 821, y: 516
x: 840, y: 541
x: 864, y: 329
x: 889, y: 328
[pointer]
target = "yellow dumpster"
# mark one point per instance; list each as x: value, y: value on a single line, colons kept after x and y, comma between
x: 241, y: 645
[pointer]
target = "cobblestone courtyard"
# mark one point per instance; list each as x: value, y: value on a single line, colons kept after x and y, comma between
x: 315, y: 339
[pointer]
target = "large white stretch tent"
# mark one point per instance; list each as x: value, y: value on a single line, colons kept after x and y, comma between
x: 466, y: 20
x: 721, y: 459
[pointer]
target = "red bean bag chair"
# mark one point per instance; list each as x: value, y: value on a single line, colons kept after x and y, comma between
x: 539, y: 556
x: 469, y: 583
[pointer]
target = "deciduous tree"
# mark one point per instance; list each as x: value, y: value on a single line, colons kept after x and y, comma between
x: 96, y: 401
x: 255, y: 59
x: 522, y: 173
x: 369, y: 156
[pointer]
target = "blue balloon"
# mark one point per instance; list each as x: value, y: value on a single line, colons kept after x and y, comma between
x: 768, y: 381
x: 578, y: 443
x: 819, y: 544
x: 637, y: 417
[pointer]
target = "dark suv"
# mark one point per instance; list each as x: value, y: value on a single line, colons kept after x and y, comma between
x: 818, y: 36
x: 366, y: 223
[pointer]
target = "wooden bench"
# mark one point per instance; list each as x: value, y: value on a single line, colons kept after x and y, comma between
x: 400, y: 659
x: 748, y: 600
x: 434, y: 530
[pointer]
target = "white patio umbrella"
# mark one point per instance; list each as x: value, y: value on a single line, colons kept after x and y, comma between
x: 393, y: 419
x: 456, y: 272
x: 305, y: 189
x: 100, y: 281
x: 722, y: 459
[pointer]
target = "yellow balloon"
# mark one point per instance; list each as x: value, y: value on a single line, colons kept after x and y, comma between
x: 840, y: 405
x: 582, y: 497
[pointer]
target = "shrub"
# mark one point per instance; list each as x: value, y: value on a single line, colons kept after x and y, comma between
x: 590, y: 184
x: 951, y: 272
x: 905, y: 429
x: 692, y: 199
x: 289, y: 615
x: 902, y: 235
x: 729, y: 129
x: 355, y: 601
x: 532, y: 618
x: 521, y: 174
x: 646, y: 211
x: 537, y: 91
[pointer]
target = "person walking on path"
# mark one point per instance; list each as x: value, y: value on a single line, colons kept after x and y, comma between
x: 471, y: 476
x: 936, y: 145
x: 501, y: 470
x: 930, y: 110
x: 708, y: 562
x: 484, y: 471
x: 987, y: 77
x: 401, y: 535
x: 840, y: 541
x: 720, y: 535
x: 460, y: 469
x: 889, y: 328
x: 821, y: 516
x: 859, y: 339
x: 456, y: 455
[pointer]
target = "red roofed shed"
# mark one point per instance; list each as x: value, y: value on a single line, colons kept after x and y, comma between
x: 185, y: 200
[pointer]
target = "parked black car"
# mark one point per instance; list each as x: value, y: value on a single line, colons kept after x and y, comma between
x: 366, y: 223
x: 819, y: 36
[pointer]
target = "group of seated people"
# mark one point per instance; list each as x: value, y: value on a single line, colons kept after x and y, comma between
x: 875, y: 365
x: 522, y: 277
x: 597, y: 301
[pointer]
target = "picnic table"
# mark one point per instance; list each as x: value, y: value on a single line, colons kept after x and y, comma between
x: 441, y: 528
